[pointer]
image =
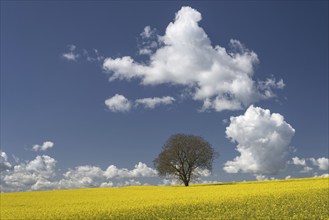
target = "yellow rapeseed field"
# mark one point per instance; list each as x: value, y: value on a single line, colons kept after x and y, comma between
x: 285, y: 199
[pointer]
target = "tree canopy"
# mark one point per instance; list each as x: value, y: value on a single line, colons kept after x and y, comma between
x: 182, y: 155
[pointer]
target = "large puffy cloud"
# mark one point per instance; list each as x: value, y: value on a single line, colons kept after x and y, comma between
x: 263, y: 140
x: 26, y: 176
x: 45, y: 146
x: 220, y: 78
x: 140, y: 170
x: 43, y: 165
x: 83, y: 176
x: 92, y: 176
x: 41, y: 174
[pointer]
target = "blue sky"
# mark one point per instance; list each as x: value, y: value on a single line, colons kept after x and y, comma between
x: 61, y: 61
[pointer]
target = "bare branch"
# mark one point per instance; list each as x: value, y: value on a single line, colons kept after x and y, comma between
x: 182, y: 154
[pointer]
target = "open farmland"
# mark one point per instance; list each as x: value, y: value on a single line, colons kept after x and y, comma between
x: 284, y: 199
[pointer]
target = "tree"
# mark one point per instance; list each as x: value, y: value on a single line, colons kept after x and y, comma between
x: 182, y: 155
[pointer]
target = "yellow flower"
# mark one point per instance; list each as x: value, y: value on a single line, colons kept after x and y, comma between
x: 293, y: 199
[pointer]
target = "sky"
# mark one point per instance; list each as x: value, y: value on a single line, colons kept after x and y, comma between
x: 91, y: 90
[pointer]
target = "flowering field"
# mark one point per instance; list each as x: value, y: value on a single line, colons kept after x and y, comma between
x: 285, y: 199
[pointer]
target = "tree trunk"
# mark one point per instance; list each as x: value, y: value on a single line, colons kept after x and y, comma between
x: 186, y: 183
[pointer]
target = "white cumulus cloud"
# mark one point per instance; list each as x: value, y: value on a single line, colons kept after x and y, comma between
x: 263, y: 141
x: 30, y: 175
x: 220, y: 78
x: 118, y: 103
x: 322, y: 163
x: 140, y: 170
x: 45, y: 146
x: 82, y: 176
x: 4, y: 163
x: 311, y: 163
x: 41, y: 174
x: 299, y: 162
x: 92, y: 176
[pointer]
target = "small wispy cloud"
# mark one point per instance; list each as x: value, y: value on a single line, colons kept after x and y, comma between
x: 71, y: 55
x: 93, y: 56
x: 43, y: 147
x: 119, y: 103
x: 151, y: 103
x: 150, y: 41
